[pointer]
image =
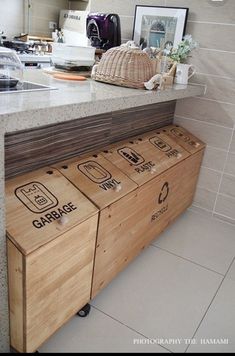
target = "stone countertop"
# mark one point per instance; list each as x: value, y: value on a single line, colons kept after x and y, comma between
x: 73, y: 100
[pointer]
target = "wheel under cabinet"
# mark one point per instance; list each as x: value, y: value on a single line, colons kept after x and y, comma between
x: 84, y: 311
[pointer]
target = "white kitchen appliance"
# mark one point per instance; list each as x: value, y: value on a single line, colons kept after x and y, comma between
x: 75, y: 54
x: 75, y: 58
x: 73, y: 26
x: 35, y: 61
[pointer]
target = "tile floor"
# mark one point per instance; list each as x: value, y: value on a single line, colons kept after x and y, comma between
x: 180, y: 288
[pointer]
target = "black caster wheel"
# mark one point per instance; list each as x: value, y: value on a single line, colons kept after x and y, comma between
x: 84, y: 311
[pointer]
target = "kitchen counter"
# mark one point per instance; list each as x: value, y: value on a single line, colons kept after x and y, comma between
x: 71, y: 100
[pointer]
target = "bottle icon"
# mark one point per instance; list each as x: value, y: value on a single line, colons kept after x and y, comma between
x: 133, y: 157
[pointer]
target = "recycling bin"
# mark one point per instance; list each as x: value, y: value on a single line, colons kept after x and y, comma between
x: 51, y: 235
x: 184, y: 138
x: 113, y: 193
x: 140, y: 186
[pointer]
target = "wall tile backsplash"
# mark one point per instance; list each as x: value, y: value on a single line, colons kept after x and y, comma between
x: 44, y: 11
x: 211, y: 118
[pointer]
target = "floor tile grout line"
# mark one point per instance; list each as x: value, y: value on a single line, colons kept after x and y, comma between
x: 129, y: 327
x: 216, y: 76
x: 216, y: 50
x: 199, y: 207
x: 211, y: 169
x: 207, y: 189
x: 212, y: 300
x: 214, y: 216
x: 217, y: 216
x: 204, y: 122
x: 212, y: 23
x: 218, y: 149
x: 217, y: 171
x: 214, y: 100
x: 188, y: 260
x: 223, y: 172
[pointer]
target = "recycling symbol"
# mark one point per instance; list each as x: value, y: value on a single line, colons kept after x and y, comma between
x: 163, y: 193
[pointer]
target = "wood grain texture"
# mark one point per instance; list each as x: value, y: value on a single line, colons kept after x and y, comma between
x: 54, y: 284
x: 149, y: 161
x: 32, y: 149
x: 16, y: 296
x: 58, y: 281
x: 35, y: 203
x: 184, y: 138
x: 129, y: 225
x: 100, y: 180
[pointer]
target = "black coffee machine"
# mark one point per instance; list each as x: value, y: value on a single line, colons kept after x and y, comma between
x: 104, y: 30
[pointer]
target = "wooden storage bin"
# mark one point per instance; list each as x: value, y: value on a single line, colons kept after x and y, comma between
x: 144, y: 184
x: 106, y: 186
x: 150, y: 160
x: 183, y: 137
x: 51, y: 230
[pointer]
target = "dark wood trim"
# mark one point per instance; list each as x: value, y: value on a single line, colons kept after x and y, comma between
x: 31, y: 149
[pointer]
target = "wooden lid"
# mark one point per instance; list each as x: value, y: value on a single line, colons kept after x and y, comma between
x: 138, y: 159
x: 97, y: 178
x: 41, y: 206
x: 184, y: 138
x: 164, y: 145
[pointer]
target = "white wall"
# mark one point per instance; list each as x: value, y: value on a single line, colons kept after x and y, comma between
x: 12, y: 16
x: 79, y: 5
x: 43, y: 11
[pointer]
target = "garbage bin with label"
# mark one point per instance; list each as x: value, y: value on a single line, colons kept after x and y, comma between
x: 51, y: 230
x: 140, y: 186
x: 162, y: 195
x: 115, y: 195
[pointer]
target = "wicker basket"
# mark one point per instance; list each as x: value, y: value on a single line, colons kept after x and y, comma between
x: 125, y: 66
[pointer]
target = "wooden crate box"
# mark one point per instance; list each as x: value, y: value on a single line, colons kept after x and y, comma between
x: 131, y: 217
x: 51, y: 229
x: 129, y: 225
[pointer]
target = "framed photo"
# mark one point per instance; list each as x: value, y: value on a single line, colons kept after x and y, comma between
x: 157, y: 26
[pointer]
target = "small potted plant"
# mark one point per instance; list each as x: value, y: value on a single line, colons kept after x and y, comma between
x: 180, y: 55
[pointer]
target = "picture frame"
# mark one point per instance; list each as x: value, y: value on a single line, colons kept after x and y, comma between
x: 157, y: 26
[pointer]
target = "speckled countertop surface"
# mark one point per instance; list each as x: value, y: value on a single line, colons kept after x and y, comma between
x: 72, y: 100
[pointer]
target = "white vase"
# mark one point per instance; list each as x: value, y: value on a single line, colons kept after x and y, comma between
x: 183, y: 73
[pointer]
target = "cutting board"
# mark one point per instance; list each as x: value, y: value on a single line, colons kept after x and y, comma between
x: 53, y: 71
x: 65, y: 76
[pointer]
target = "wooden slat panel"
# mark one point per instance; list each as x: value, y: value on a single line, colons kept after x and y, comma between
x: 32, y: 149
x: 16, y: 297
x: 139, y: 120
x: 28, y: 150
x: 58, y: 281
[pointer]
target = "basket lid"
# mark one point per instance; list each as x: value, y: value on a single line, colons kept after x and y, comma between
x: 125, y: 66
